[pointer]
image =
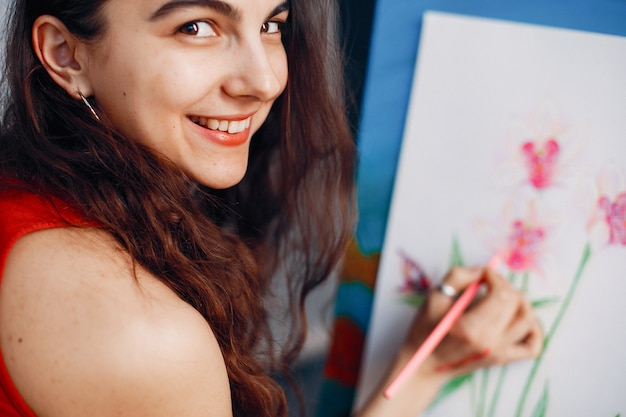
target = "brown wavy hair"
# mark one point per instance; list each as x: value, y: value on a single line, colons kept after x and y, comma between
x: 218, y: 250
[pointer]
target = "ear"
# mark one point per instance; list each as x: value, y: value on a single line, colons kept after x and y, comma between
x: 56, y: 48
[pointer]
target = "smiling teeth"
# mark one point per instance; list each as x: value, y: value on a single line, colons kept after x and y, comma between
x: 230, y: 126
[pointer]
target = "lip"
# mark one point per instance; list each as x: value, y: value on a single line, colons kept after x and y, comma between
x: 221, y: 137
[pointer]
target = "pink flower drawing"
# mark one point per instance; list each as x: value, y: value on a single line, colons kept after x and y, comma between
x: 522, y: 237
x: 541, y: 161
x: 541, y: 151
x: 615, y: 218
x: 524, y: 245
x: 607, y: 225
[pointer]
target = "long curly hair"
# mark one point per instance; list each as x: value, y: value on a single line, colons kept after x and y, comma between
x: 290, y: 217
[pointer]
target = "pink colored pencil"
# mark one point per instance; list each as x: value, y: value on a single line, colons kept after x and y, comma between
x: 433, y: 340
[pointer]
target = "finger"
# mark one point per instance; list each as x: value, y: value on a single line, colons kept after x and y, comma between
x: 519, y: 332
x: 524, y: 322
x: 458, y: 278
x: 491, y: 316
x: 461, y: 277
x: 522, y: 332
x: 522, y: 340
x: 529, y: 347
x: 493, y: 280
x: 498, y: 306
x: 527, y: 334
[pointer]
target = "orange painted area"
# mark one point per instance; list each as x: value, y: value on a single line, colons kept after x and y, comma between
x: 359, y: 267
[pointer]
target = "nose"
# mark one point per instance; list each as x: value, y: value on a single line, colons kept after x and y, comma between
x: 258, y: 71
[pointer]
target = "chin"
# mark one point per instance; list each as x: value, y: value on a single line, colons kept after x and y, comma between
x: 221, y: 182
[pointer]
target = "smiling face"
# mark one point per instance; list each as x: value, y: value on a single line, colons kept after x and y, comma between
x: 191, y: 79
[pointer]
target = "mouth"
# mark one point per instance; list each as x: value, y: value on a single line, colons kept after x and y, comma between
x: 226, y: 126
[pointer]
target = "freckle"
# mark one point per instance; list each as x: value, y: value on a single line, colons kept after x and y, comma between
x: 19, y: 340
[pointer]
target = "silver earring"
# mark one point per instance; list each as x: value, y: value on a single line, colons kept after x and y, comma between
x: 88, y: 104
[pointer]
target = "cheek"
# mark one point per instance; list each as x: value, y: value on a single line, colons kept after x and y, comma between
x: 179, y: 88
x: 133, y: 95
x: 281, y: 68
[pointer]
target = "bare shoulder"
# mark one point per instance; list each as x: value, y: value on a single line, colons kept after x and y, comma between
x: 81, y: 335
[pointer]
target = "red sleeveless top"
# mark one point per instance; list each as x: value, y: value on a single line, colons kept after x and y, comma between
x: 23, y: 212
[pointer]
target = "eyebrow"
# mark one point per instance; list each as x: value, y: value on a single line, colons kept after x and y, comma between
x: 219, y: 6
x: 284, y: 6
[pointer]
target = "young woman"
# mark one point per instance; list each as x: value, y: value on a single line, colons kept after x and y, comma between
x: 161, y: 162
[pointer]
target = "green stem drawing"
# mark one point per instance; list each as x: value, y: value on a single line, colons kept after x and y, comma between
x: 525, y: 279
x: 474, y: 394
x: 496, y: 394
x: 483, y: 393
x: 555, y: 325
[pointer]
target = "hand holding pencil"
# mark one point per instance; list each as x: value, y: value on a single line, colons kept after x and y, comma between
x: 457, y: 332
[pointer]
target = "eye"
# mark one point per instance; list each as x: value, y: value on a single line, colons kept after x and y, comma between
x: 200, y: 29
x: 272, y: 27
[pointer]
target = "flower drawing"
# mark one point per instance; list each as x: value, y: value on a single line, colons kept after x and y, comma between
x: 541, y: 151
x: 414, y: 279
x: 607, y: 225
x: 523, y: 246
x: 521, y: 237
x: 415, y: 282
x: 541, y: 161
x: 615, y: 217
